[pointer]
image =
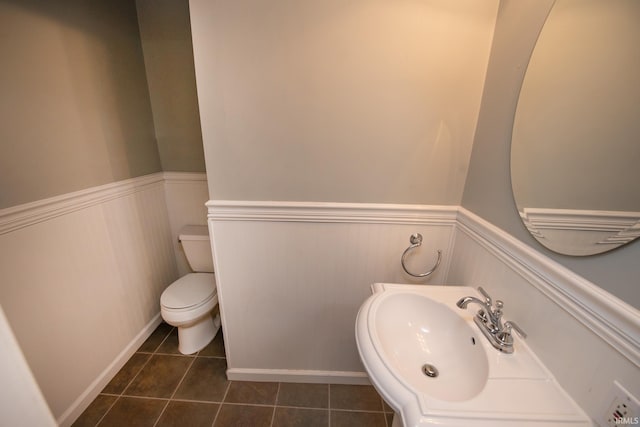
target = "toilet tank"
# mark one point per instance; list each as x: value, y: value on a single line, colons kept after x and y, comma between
x: 197, y: 247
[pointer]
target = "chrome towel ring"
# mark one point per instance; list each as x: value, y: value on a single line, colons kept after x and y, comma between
x: 416, y: 240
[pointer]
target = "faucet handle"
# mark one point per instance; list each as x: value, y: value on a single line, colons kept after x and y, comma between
x: 484, y: 293
x: 482, y: 315
x: 498, y: 310
x: 509, y: 324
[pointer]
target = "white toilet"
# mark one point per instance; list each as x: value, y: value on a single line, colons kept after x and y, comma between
x: 187, y: 303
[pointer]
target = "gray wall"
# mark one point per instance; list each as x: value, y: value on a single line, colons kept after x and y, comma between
x: 576, y: 131
x: 75, y: 109
x: 488, y: 186
x: 168, y: 56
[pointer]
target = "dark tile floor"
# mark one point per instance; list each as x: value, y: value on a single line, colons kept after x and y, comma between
x: 160, y: 387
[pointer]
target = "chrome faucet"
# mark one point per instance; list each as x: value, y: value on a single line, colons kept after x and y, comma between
x: 489, y: 320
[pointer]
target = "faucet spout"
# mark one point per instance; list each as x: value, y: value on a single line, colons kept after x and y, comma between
x: 463, y: 302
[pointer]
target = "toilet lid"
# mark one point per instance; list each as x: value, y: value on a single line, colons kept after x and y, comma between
x: 189, y: 291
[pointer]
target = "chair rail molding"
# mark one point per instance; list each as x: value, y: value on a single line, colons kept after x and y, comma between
x: 366, y: 213
x: 27, y: 214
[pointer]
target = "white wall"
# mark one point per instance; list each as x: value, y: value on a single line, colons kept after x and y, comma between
x: 359, y: 101
x: 82, y: 275
x: 21, y: 401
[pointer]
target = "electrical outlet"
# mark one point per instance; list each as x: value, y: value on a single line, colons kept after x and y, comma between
x: 624, y: 408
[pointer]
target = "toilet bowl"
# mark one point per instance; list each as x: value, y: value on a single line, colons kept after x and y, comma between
x: 188, y: 302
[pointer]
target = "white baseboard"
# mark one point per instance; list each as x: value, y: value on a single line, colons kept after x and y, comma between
x: 85, y: 399
x: 298, y: 376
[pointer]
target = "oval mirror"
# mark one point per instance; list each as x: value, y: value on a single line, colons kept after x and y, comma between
x: 575, y: 150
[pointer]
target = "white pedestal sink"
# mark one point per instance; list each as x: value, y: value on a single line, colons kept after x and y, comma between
x: 430, y: 362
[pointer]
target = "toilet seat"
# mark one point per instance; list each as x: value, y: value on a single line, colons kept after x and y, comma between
x: 189, y: 292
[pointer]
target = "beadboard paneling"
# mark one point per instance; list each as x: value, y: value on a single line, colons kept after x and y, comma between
x: 291, y: 277
x: 82, y: 276
x: 586, y: 337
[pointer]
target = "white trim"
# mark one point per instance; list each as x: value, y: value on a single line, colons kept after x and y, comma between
x: 298, y: 376
x: 612, y: 319
x: 581, y: 220
x: 20, y: 216
x: 231, y: 210
x: 84, y: 400
x: 581, y: 232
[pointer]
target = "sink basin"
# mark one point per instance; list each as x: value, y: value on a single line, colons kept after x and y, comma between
x: 413, y: 331
x: 433, y: 366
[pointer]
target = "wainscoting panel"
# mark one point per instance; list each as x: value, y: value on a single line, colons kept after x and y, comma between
x: 82, y: 276
x: 291, y: 277
x: 585, y: 336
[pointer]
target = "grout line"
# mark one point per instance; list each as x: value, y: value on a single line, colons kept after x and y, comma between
x: 382, y: 405
x: 119, y: 396
x: 129, y: 396
x: 136, y: 375
x: 175, y: 354
x: 107, y: 411
x: 210, y: 357
x: 221, y: 403
x: 275, y: 403
x: 165, y: 338
x: 354, y: 410
x: 329, y: 404
x: 174, y: 391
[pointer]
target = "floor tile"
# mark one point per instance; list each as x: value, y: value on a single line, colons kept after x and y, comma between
x: 191, y: 414
x: 156, y: 338
x: 357, y: 419
x: 215, y: 347
x: 170, y: 344
x: 304, y: 395
x: 133, y: 412
x: 160, y: 376
x: 259, y: 393
x: 300, y: 417
x: 95, y: 411
x: 206, y: 381
x: 127, y: 373
x: 358, y: 397
x: 244, y: 416
x: 389, y: 417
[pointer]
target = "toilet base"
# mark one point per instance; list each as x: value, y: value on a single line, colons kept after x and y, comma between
x: 195, y: 336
